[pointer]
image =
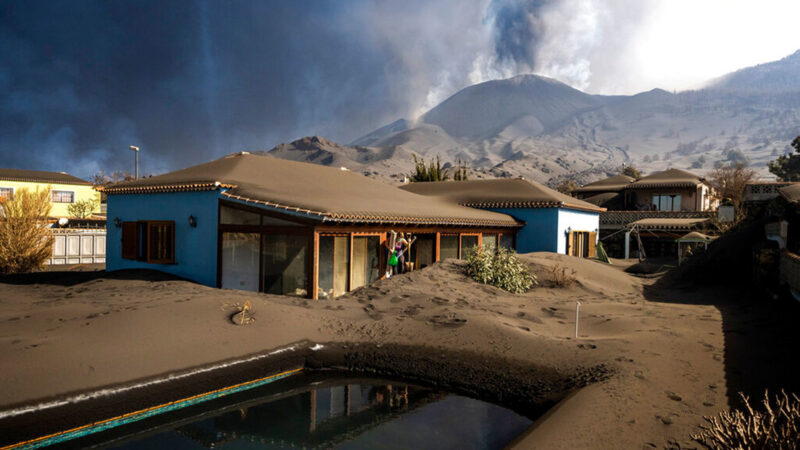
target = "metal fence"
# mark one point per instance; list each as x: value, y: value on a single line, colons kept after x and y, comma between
x: 79, y: 246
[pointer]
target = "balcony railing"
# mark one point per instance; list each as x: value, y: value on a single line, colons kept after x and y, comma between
x: 761, y: 192
x: 615, y: 220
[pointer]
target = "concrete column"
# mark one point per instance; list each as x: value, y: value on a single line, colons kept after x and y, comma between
x: 627, y: 244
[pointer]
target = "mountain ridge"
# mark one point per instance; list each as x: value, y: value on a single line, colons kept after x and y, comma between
x: 544, y: 130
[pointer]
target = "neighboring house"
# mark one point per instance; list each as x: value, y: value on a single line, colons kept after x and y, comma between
x: 605, y: 193
x: 670, y: 190
x: 764, y: 191
x: 64, y: 189
x: 658, y: 209
x: 554, y: 222
x: 76, y: 241
x: 283, y: 227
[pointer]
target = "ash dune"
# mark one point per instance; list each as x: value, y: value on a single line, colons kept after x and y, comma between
x: 663, y: 362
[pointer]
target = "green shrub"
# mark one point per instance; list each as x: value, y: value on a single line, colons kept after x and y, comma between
x: 499, y: 268
x: 82, y: 209
x: 777, y: 427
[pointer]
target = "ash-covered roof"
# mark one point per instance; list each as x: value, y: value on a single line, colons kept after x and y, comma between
x: 791, y: 193
x: 670, y: 178
x: 38, y: 176
x: 499, y: 193
x: 669, y: 224
x: 320, y: 192
x: 610, y: 184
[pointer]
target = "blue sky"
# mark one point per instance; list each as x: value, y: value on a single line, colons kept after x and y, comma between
x: 190, y: 81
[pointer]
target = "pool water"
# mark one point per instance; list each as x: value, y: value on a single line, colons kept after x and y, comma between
x: 334, y: 413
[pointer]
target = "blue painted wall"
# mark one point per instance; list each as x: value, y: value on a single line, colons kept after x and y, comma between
x: 195, y: 248
x: 545, y: 228
x: 540, y: 233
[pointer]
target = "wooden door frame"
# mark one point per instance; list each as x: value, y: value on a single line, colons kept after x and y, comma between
x: 460, y: 237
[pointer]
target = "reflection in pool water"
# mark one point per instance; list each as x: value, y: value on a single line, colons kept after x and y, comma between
x: 341, y: 414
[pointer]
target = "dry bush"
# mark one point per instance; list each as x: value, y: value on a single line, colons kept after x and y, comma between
x: 25, y: 241
x: 777, y: 427
x: 561, y: 276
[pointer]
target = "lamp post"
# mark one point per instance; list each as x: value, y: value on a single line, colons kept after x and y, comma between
x: 136, y: 164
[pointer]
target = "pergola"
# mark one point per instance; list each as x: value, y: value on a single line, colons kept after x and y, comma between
x: 660, y: 227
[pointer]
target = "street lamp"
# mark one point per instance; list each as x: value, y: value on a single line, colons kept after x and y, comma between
x: 136, y: 167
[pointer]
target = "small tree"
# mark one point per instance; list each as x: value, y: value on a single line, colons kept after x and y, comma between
x: 566, y: 186
x: 82, y: 209
x: 787, y: 167
x: 632, y: 172
x: 460, y: 171
x: 25, y: 241
x: 729, y: 182
x: 432, y: 172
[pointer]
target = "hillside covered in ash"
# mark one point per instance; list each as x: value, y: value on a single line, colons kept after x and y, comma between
x: 544, y: 130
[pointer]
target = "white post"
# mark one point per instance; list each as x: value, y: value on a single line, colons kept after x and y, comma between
x: 627, y: 244
x: 577, y: 317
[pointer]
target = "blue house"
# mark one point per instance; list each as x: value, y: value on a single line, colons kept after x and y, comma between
x: 265, y: 224
x: 554, y: 222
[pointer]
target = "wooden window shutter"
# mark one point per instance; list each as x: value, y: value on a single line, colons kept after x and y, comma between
x: 129, y: 242
x: 592, y: 244
x: 161, y: 242
x: 570, y: 243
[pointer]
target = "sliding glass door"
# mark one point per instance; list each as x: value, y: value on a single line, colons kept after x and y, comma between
x: 334, y: 265
x: 285, y: 268
x: 366, y: 260
x: 240, y: 254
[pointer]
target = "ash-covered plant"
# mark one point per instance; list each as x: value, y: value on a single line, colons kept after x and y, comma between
x: 25, y: 240
x: 777, y: 427
x: 562, y: 276
x: 500, y: 268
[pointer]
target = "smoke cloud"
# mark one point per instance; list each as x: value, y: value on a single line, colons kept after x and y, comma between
x: 192, y: 81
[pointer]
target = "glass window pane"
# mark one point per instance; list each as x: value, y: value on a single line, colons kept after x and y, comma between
x: 490, y: 242
x: 240, y: 253
x: 274, y: 222
x: 366, y: 260
x: 467, y: 242
x: 676, y: 203
x: 448, y: 247
x: 285, y: 266
x: 334, y: 266
x: 235, y: 216
x: 507, y: 241
x: 422, y: 251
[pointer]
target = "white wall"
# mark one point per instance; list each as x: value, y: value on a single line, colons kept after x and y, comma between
x: 578, y: 221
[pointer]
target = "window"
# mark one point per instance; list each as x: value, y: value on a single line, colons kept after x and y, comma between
x: 6, y: 193
x: 582, y: 244
x: 507, y: 241
x: 62, y: 196
x: 334, y: 266
x: 667, y: 202
x: 448, y: 246
x: 285, y: 264
x: 235, y: 216
x: 366, y: 260
x: 490, y: 242
x: 468, y: 242
x: 149, y: 241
